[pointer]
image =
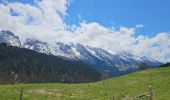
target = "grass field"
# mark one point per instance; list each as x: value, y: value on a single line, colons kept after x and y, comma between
x: 128, y: 87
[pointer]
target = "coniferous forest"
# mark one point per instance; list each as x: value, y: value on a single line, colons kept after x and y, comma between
x: 18, y: 65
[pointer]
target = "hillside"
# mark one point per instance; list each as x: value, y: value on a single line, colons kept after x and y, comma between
x: 110, y: 63
x: 128, y: 87
x: 18, y: 65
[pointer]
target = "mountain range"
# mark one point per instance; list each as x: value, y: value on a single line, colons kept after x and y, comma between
x: 108, y: 62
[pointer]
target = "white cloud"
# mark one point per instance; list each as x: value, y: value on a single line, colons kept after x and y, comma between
x: 45, y: 17
x: 45, y: 20
x: 156, y: 47
x: 139, y: 26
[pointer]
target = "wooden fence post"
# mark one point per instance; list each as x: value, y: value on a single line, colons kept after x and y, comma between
x: 113, y: 98
x: 150, y: 93
x: 21, y: 93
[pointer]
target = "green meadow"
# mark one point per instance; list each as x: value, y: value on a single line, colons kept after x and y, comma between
x: 127, y: 87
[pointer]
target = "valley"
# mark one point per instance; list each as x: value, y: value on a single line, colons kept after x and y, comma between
x: 127, y: 87
x: 84, y: 50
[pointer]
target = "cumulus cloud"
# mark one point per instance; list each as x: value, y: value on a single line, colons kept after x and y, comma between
x: 45, y: 20
x: 38, y: 20
x: 156, y: 47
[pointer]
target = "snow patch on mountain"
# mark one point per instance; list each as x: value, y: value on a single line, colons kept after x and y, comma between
x: 37, y: 45
x: 9, y: 38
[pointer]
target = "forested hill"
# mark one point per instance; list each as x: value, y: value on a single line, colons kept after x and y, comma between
x: 18, y: 65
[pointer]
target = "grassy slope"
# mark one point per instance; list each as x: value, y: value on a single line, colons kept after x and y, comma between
x: 129, y: 87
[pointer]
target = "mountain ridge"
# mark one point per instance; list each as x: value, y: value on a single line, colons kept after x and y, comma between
x: 109, y: 63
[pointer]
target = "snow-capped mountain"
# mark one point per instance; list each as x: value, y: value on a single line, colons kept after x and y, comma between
x: 107, y: 62
x: 9, y: 38
x: 37, y: 45
x: 110, y: 63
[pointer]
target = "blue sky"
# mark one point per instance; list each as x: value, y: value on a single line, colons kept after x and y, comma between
x: 153, y: 14
x: 91, y: 23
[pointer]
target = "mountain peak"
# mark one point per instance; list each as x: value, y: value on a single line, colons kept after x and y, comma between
x: 6, y: 32
x: 9, y: 38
